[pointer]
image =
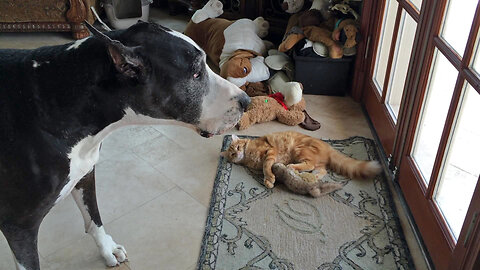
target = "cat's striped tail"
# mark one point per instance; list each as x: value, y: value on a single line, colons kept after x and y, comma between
x: 353, y: 168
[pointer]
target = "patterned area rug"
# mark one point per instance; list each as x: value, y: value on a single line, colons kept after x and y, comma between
x: 251, y: 227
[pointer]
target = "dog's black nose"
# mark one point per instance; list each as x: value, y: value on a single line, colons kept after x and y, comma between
x: 244, y: 101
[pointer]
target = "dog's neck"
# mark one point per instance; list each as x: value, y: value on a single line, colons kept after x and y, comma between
x: 89, y: 87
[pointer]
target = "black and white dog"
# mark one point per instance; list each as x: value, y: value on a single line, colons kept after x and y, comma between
x: 58, y: 103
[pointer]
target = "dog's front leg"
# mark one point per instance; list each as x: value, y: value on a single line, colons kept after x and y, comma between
x: 85, y: 197
x: 22, y: 240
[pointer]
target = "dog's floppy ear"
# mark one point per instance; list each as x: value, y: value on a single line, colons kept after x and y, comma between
x: 126, y: 61
x: 238, y: 66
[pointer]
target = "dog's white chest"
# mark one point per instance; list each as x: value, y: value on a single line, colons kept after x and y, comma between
x: 83, y: 157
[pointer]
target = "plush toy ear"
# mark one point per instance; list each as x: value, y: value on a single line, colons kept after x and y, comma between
x: 126, y: 61
x: 235, y: 138
x: 244, y: 54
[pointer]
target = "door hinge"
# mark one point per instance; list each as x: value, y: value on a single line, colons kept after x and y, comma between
x: 392, y: 166
x: 470, y: 228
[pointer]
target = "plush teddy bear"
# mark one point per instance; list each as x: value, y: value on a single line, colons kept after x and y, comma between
x: 346, y: 31
x: 303, y: 182
x: 265, y: 108
x: 236, y: 47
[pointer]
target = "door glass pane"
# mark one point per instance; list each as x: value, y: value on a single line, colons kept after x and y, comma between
x: 401, y: 59
x: 417, y: 4
x: 461, y: 167
x: 437, y: 99
x: 384, y: 44
x: 457, y: 23
x: 475, y: 63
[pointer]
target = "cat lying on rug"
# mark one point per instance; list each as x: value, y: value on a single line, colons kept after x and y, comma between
x: 299, y: 152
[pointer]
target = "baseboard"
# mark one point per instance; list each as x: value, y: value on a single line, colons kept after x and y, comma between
x: 399, y: 193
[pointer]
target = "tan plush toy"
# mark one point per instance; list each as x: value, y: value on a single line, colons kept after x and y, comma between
x: 316, y: 26
x: 303, y: 182
x: 264, y: 109
x: 236, y: 47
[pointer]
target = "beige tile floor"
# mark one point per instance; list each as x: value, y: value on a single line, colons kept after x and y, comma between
x: 154, y: 185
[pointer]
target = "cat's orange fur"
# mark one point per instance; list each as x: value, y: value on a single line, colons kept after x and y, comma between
x: 298, y: 151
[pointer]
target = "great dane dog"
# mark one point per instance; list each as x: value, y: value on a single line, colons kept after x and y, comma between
x: 58, y: 103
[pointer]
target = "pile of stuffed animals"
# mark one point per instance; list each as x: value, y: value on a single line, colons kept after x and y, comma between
x: 328, y: 28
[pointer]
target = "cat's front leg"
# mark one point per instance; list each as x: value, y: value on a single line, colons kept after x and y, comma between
x: 303, y: 166
x: 269, y: 177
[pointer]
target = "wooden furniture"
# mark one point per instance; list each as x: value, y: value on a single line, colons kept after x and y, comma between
x: 47, y: 16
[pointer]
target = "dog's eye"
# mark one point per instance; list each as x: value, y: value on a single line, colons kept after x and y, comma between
x: 245, y: 70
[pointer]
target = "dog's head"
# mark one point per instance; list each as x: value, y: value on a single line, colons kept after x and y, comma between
x: 172, y: 79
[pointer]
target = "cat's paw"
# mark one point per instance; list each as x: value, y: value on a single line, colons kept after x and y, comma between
x: 268, y: 182
x: 291, y: 166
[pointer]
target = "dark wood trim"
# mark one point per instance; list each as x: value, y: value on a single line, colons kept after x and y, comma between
x: 472, y: 39
x: 423, y: 77
x: 472, y: 78
x: 423, y: 214
x: 74, y: 18
x: 35, y: 27
x: 467, y: 254
x: 361, y: 65
x: 76, y: 15
x: 449, y: 53
x: 410, y: 9
x: 391, y: 55
x: 416, y: 81
x: 382, y: 122
x: 374, y: 41
x: 446, y: 135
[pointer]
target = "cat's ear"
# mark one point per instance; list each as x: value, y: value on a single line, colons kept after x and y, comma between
x: 223, y: 154
x: 235, y: 138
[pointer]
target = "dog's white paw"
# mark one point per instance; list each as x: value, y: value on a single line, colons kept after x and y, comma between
x: 261, y: 26
x: 214, y: 8
x: 113, y: 253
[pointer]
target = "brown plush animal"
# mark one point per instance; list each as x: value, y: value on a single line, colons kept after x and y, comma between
x: 264, y: 109
x: 313, y: 25
x: 303, y: 182
x: 235, y: 47
x: 314, y: 33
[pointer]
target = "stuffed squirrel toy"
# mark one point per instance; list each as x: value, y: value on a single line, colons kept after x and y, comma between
x: 303, y: 182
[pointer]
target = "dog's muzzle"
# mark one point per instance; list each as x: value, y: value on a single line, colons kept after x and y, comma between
x: 244, y: 101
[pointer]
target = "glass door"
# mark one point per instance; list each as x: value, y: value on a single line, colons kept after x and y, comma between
x: 439, y: 164
x: 392, y: 49
x: 421, y: 92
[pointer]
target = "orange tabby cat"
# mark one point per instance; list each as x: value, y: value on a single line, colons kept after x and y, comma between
x: 298, y: 151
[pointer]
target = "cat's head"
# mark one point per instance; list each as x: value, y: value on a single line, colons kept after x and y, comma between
x: 236, y: 151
